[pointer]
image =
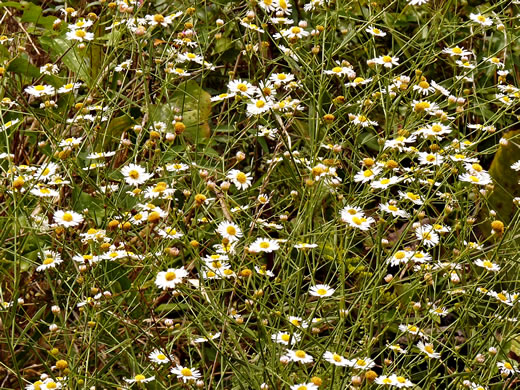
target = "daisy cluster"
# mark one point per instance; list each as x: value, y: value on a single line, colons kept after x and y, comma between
x: 259, y: 195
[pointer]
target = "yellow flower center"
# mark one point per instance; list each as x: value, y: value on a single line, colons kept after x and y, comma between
x: 376, y: 31
x: 481, y: 18
x: 424, y: 85
x: 264, y: 245
x: 386, y: 181
x: 241, y: 177
x: 387, y: 381
x: 401, y: 379
x: 392, y: 208
x: 296, y: 30
x: 412, y: 328
x: 400, y: 255
x: 358, y: 221
x: 428, y: 348
x: 502, y: 297
x: 186, y: 372
x: 48, y: 260
x: 170, y: 276
x: 134, y: 174
x: 161, y: 356
x: 260, y: 104
x: 337, y: 69
x: 387, y: 59
x: 81, y: 33
x: 487, y: 264
x: 242, y: 87
x: 358, y: 80
x: 321, y: 291
x: 361, y: 362
x: 51, y: 385
x: 421, y: 106
x: 336, y: 357
x: 508, y: 366
x: 158, y: 18
x: 368, y: 173
x: 430, y: 158
x: 231, y: 230
x: 456, y: 50
x: 139, y: 378
x: 39, y: 87
x: 67, y: 217
x: 412, y: 196
x: 300, y: 354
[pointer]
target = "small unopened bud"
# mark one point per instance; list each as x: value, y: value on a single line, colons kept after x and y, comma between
x: 302, y: 24
x: 168, y: 322
x: 493, y: 351
x: 240, y: 156
x: 53, y: 328
x: 480, y: 358
x: 389, y: 278
x: 356, y: 380
x: 55, y: 309
x: 504, y: 141
x: 219, y: 22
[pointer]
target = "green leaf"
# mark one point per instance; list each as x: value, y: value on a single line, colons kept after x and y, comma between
x: 34, y: 14
x: 193, y: 103
x: 13, y: 4
x: 70, y: 56
x: 21, y: 65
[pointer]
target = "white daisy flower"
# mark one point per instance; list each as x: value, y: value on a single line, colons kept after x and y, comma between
x: 336, y: 359
x: 428, y: 350
x: 457, y: 51
x: 321, y: 291
x: 49, y: 259
x: 170, y: 232
x: 488, y: 265
x: 170, y: 278
x: 286, y: 338
x: 362, y: 364
x: 40, y: 90
x: 135, y: 174
x: 79, y: 35
x: 159, y: 357
x: 67, y: 218
x: 69, y: 87
x: 266, y: 245
x: 240, y: 179
x: 185, y: 373
x: 229, y: 230
x: 298, y: 356
x: 139, y: 378
x: 375, y: 31
x: 427, y: 235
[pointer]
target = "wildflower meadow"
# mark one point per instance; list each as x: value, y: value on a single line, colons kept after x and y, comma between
x: 259, y: 194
